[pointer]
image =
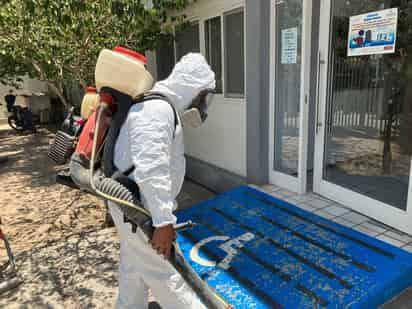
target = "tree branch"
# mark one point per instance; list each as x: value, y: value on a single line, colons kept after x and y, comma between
x: 59, y: 93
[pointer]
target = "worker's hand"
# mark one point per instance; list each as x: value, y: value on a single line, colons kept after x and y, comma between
x: 162, y: 240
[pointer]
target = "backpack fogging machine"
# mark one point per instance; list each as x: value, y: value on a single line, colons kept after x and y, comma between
x: 87, y: 142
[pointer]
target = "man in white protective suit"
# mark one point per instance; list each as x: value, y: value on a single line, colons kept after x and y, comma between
x: 152, y: 142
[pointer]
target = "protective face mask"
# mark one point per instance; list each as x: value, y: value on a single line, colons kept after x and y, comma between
x: 196, y: 114
x: 192, y: 118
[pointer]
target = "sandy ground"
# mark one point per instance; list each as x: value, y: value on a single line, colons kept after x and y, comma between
x: 63, y: 255
x: 34, y: 209
x: 76, y: 272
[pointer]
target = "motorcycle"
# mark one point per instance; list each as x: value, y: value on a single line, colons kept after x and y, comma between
x: 22, y: 119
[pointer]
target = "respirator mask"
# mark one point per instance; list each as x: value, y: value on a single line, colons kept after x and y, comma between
x: 196, y: 114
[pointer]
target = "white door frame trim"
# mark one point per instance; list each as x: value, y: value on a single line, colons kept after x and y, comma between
x: 375, y: 209
x: 295, y: 184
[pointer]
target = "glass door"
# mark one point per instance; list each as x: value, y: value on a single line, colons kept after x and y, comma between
x: 290, y: 46
x: 364, y: 121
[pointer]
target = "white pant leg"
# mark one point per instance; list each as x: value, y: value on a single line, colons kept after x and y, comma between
x: 133, y: 292
x: 142, y: 262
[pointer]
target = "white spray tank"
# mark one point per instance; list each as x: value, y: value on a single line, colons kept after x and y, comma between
x: 123, y: 70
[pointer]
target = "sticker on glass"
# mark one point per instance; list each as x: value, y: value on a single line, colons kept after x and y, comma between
x: 373, y: 33
x: 289, y: 45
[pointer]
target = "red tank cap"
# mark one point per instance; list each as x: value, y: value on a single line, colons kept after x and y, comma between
x: 130, y: 53
x: 91, y: 90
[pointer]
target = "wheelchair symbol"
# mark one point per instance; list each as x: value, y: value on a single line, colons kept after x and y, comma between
x: 230, y: 247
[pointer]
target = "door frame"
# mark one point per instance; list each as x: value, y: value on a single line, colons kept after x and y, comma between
x: 295, y: 184
x: 375, y: 209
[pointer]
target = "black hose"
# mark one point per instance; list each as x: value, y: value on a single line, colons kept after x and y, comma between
x: 115, y: 189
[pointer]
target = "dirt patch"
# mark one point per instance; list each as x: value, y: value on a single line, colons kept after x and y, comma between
x: 34, y: 209
x: 63, y: 255
x: 79, y: 272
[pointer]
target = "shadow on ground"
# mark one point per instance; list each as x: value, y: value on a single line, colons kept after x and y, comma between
x: 27, y: 156
x: 77, y: 272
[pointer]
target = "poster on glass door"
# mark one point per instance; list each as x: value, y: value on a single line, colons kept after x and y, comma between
x: 373, y: 33
x: 289, y: 45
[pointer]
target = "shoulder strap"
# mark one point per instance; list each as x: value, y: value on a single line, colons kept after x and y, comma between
x: 158, y: 96
x: 125, y: 103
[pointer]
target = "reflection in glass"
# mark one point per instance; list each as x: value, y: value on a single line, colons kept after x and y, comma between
x: 369, y: 123
x: 234, y: 54
x: 187, y: 39
x: 213, y: 38
x: 287, y: 85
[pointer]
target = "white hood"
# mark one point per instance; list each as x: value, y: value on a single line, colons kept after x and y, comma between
x: 189, y: 77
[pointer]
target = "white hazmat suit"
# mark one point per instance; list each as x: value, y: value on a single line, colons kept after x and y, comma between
x: 150, y: 141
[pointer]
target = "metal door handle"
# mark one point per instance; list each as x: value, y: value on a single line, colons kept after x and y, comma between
x: 318, y: 123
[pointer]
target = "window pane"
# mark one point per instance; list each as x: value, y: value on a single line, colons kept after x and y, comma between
x: 369, y: 109
x: 234, y: 54
x: 289, y: 17
x: 187, y: 40
x: 214, y: 48
x: 165, y: 57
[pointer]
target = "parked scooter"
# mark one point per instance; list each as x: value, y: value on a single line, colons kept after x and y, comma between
x: 22, y: 119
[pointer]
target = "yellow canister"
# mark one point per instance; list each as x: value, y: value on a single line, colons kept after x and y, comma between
x: 90, y: 102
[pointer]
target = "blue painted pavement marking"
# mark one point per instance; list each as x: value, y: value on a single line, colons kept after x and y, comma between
x: 257, y: 251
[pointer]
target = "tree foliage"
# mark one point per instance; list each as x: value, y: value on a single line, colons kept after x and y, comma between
x: 58, y: 41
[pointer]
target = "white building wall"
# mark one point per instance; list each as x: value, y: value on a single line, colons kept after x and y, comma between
x: 221, y: 141
x: 3, y: 110
x: 28, y: 87
x: 35, y: 86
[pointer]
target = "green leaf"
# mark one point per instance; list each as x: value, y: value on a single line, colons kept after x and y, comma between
x: 60, y: 40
